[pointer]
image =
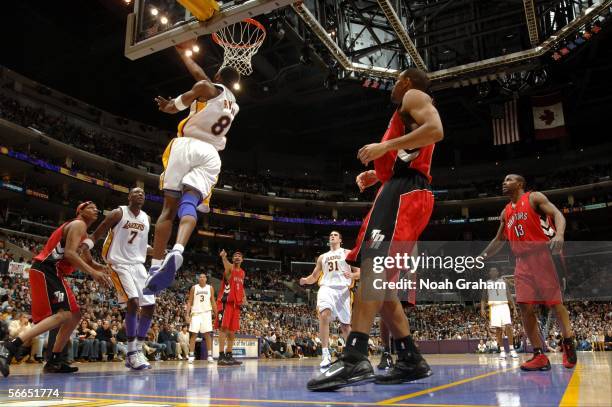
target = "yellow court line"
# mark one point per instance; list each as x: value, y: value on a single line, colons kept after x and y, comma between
x: 572, y: 391
x: 442, y: 387
x: 104, y: 402
x: 238, y: 400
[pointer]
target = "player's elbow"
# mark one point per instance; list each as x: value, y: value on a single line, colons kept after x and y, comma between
x: 437, y: 134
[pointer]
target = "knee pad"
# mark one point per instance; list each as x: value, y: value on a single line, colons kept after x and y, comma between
x: 188, y: 205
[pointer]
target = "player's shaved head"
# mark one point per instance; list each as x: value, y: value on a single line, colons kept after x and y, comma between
x: 228, y: 76
x: 418, y: 78
x: 518, y: 178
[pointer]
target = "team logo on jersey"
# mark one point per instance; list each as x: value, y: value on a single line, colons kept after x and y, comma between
x: 377, y: 239
x: 133, y: 225
x: 547, y: 228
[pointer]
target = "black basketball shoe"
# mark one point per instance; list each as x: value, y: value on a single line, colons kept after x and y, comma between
x: 6, y: 355
x: 222, y: 361
x: 386, y: 361
x: 347, y: 370
x: 59, y: 366
x: 231, y: 361
x: 410, y: 366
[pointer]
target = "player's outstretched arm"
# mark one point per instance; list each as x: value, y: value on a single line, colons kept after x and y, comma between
x: 540, y: 203
x: 227, y: 266
x: 498, y: 241
x: 75, y: 230
x: 203, y: 90
x: 314, y: 276
x: 107, y: 224
x: 192, y: 66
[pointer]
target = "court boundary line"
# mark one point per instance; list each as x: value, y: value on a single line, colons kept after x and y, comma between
x: 258, y: 401
x: 571, y: 395
x: 393, y: 400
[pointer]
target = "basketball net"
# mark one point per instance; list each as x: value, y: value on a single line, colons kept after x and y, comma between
x: 240, y: 42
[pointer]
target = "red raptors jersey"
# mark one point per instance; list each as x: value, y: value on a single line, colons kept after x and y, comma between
x: 233, y: 290
x: 392, y: 161
x: 525, y: 227
x: 53, y: 252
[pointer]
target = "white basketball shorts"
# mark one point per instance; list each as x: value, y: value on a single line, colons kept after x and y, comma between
x: 337, y: 300
x: 201, y: 322
x: 500, y: 315
x: 189, y: 162
x: 129, y: 280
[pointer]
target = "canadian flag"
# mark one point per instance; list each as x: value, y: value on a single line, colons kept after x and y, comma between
x: 548, y: 119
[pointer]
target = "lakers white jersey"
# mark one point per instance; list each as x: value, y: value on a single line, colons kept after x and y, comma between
x: 201, y: 299
x: 127, y: 241
x: 211, y: 120
x: 497, y: 296
x: 334, y: 265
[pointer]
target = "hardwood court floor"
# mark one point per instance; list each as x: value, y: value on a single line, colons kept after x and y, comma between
x: 458, y: 380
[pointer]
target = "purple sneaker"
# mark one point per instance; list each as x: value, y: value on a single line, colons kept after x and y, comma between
x: 162, y: 278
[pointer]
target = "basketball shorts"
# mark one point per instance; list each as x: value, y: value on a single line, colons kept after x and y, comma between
x: 189, y: 162
x: 129, y: 281
x: 499, y: 315
x: 399, y: 214
x: 228, y: 317
x: 201, y: 322
x: 49, y: 292
x: 337, y: 300
x: 536, y: 278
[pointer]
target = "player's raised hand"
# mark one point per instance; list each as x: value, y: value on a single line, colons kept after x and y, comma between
x: 165, y: 105
x: 366, y: 179
x: 223, y: 254
x: 371, y: 152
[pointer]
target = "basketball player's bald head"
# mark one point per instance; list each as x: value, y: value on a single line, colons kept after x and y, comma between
x: 513, y: 183
x: 228, y: 76
x: 136, y: 196
x: 411, y: 78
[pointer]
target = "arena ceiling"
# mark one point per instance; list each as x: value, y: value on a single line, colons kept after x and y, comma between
x: 298, y: 100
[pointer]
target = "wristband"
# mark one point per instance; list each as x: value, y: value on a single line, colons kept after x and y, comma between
x: 89, y: 243
x: 178, y: 103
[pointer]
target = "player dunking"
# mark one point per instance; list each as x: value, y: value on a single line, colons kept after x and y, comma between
x: 500, y: 319
x: 53, y: 303
x: 201, y: 309
x: 125, y: 250
x: 191, y: 164
x: 527, y: 223
x: 335, y: 277
x: 231, y: 297
x: 400, y: 212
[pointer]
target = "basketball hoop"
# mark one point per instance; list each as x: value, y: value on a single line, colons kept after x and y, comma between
x: 240, y: 42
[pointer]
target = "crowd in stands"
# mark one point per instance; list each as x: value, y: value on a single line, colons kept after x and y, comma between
x: 104, y: 144
x: 59, y: 127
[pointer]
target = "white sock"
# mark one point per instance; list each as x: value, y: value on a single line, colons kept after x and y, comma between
x: 325, y: 351
x: 139, y: 345
x: 156, y: 262
x: 179, y: 248
x: 131, y: 346
x: 190, y: 354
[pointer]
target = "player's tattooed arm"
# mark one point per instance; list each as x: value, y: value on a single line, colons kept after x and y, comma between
x: 314, y: 276
x: 498, y: 241
x: 541, y: 204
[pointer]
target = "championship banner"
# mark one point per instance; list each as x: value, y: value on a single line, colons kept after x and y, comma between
x: 548, y: 118
x: 244, y: 347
